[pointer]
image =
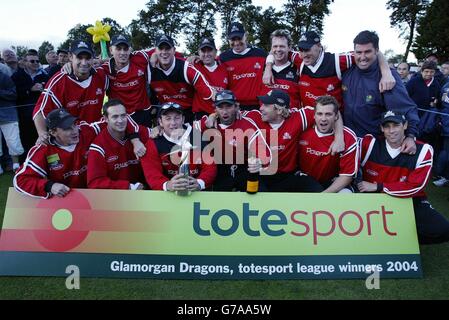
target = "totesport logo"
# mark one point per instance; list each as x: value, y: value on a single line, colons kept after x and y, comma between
x: 273, y: 223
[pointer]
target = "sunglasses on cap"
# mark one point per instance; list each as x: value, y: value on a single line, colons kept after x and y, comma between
x: 170, y: 105
x: 224, y: 96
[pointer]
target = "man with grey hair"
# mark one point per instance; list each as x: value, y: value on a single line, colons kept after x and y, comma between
x: 11, y: 60
x: 52, y: 60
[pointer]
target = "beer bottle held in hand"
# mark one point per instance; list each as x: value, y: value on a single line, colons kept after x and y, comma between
x: 252, y: 183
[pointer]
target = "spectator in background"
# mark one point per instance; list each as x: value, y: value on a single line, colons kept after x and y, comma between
x: 404, y: 71
x: 424, y: 90
x: 63, y: 58
x: 442, y: 163
x: 11, y: 60
x: 8, y: 120
x: 445, y: 71
x: 30, y: 82
x: 432, y: 56
x: 52, y: 60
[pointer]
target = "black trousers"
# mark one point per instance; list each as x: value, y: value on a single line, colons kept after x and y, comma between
x: 432, y: 226
x: 144, y: 118
x: 233, y: 177
x: 291, y: 182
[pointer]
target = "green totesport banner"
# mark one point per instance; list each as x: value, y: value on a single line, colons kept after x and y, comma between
x: 150, y: 234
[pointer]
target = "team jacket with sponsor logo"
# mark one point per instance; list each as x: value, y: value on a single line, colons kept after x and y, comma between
x: 286, y: 148
x: 179, y: 83
x: 112, y: 163
x: 83, y: 100
x: 245, y: 74
x: 50, y: 164
x: 315, y: 160
x: 324, y: 78
x: 235, y: 142
x: 217, y: 78
x: 47, y: 164
x: 404, y: 175
x: 161, y: 162
x: 286, y: 78
x: 130, y: 83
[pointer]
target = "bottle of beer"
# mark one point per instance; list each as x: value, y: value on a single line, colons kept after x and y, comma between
x: 252, y: 183
x: 184, y: 169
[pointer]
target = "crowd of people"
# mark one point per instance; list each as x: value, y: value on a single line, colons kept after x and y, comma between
x: 304, y: 121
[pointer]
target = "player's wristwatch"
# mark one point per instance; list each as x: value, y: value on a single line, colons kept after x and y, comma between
x: 410, y: 135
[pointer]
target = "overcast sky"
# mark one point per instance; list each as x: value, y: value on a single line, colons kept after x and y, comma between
x: 30, y: 22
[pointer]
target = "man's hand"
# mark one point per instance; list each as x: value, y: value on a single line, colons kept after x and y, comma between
x: 59, y: 190
x: 43, y: 139
x: 367, y: 186
x: 178, y: 183
x: 211, y: 121
x: 156, y: 132
x: 139, y: 148
x: 67, y: 68
x: 336, y: 147
x: 193, y: 59
x: 387, y: 83
x: 193, y: 184
x: 268, y: 78
x: 154, y: 60
x: 254, y: 165
x: 408, y: 146
x: 38, y: 87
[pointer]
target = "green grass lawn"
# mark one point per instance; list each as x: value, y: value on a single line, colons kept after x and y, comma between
x: 435, y: 285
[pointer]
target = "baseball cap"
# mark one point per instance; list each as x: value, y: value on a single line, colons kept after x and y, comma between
x: 277, y: 97
x: 236, y: 29
x: 59, y: 118
x: 225, y: 96
x: 120, y: 39
x: 308, y: 40
x: 207, y: 43
x: 80, y: 46
x: 393, y: 116
x: 169, y: 106
x: 165, y: 39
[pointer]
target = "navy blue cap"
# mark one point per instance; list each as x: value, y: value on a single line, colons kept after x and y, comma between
x: 308, y: 40
x: 59, y: 118
x: 80, y: 46
x: 236, y: 29
x: 277, y: 97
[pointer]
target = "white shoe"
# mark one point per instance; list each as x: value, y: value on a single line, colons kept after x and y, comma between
x: 441, y: 182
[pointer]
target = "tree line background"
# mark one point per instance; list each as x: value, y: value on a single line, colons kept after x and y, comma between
x: 423, y: 24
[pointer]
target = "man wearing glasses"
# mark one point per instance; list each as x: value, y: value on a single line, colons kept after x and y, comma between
x: 30, y: 82
x: 176, y: 148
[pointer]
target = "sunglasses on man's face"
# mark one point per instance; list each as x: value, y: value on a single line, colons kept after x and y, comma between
x: 33, y: 61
